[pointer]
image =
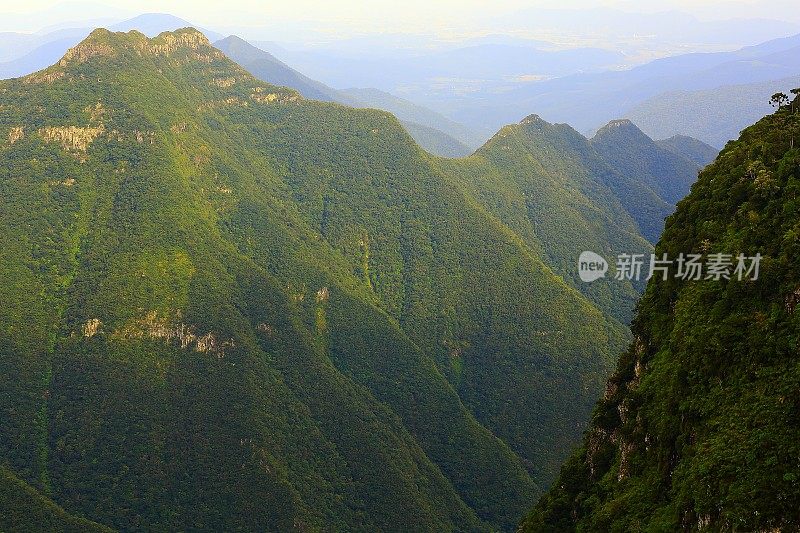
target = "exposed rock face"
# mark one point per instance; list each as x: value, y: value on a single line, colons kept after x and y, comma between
x: 260, y: 96
x: 322, y: 295
x: 85, y: 51
x: 153, y: 326
x: 43, y: 77
x: 92, y: 327
x: 223, y: 82
x: 166, y: 44
x: 72, y: 138
x: 69, y: 182
x: 16, y: 133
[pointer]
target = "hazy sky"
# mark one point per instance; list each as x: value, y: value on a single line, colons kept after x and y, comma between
x: 361, y: 16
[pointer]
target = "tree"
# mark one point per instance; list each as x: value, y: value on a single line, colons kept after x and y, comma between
x: 795, y: 103
x: 779, y: 100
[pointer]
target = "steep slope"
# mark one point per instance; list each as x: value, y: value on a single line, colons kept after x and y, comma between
x: 436, y: 142
x: 547, y: 183
x: 22, y: 508
x: 426, y: 127
x: 410, y: 112
x: 698, y: 428
x: 692, y: 149
x: 636, y: 155
x: 227, y: 307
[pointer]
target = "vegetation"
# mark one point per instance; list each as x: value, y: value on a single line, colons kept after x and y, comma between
x: 690, y: 148
x: 635, y: 155
x: 698, y: 427
x: 227, y: 307
x: 22, y: 508
x: 547, y: 183
x: 430, y: 130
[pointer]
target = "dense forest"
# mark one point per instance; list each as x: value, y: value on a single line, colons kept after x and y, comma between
x: 699, y: 427
x: 227, y: 307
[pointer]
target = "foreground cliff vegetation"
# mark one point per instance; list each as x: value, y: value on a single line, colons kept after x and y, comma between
x: 699, y: 428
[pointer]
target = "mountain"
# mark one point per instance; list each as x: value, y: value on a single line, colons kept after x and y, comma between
x: 267, y: 67
x: 38, y: 58
x: 429, y: 129
x: 14, y: 45
x: 410, y: 112
x: 630, y: 151
x: 22, y: 508
x: 698, y: 427
x: 588, y: 100
x: 229, y: 307
x: 435, y: 141
x: 28, y: 53
x: 689, y: 147
x: 547, y: 183
x: 715, y: 116
x: 434, y: 132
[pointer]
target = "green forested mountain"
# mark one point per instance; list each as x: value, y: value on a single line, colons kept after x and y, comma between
x: 636, y: 155
x: 23, y: 508
x: 699, y: 428
x: 430, y: 130
x: 549, y: 185
x: 228, y: 307
x: 698, y: 151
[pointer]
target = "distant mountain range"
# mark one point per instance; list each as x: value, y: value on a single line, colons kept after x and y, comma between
x: 452, y: 100
x: 716, y: 115
x: 647, y: 93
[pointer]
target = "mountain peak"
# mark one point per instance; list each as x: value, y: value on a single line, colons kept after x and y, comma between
x: 621, y: 129
x: 619, y: 125
x: 535, y: 120
x: 103, y: 42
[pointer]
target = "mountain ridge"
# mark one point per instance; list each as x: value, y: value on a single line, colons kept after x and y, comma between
x: 289, y: 313
x: 697, y: 428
